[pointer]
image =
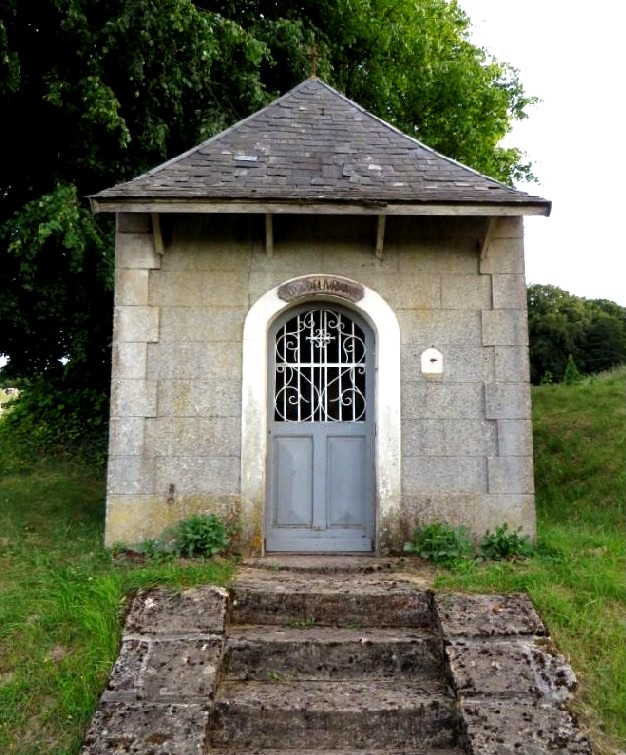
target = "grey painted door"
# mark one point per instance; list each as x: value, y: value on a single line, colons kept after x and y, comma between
x: 321, y: 432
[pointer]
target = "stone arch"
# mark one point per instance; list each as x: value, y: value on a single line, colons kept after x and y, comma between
x: 375, y: 310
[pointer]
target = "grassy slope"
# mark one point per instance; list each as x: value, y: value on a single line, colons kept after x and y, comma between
x: 577, y: 578
x: 60, y: 604
x: 61, y: 598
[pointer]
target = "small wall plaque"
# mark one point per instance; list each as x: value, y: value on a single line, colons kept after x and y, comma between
x: 321, y: 284
x: 432, y: 362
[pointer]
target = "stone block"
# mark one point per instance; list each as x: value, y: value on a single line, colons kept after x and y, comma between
x: 161, y: 612
x: 516, y: 667
x: 520, y: 727
x: 126, y: 436
x: 434, y: 437
x: 504, y: 255
x: 442, y: 401
x: 131, y: 287
x: 153, y: 728
x: 504, y: 327
x: 409, y: 291
x: 124, y: 678
x: 185, y: 361
x: 509, y: 291
x: 180, y: 669
x: 136, y: 324
x: 190, y: 436
x: 509, y: 228
x: 510, y: 475
x: 130, y: 475
x: 460, y: 364
x: 133, y: 222
x: 136, y: 250
x: 512, y: 364
x: 452, y: 257
x: 461, y: 615
x: 194, y: 289
x: 440, y: 328
x: 205, y: 256
x: 286, y: 261
x: 516, y: 510
x: 133, y: 398
x: 199, y: 475
x: 449, y: 474
x: 466, y: 292
x: 219, y: 397
x: 134, y: 518
x: 507, y: 401
x: 208, y: 324
x: 129, y: 360
x: 515, y: 437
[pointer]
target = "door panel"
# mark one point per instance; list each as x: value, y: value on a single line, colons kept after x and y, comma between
x: 321, y: 428
x: 294, y: 481
x: 345, y: 481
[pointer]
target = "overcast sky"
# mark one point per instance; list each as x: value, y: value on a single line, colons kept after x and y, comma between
x: 570, y: 54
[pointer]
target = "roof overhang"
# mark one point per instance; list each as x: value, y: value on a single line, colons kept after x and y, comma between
x: 312, y: 207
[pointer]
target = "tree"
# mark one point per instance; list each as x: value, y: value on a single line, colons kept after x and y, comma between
x: 563, y: 329
x: 97, y: 91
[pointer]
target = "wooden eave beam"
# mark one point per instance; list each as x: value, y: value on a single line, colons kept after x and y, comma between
x: 380, y: 235
x: 157, y: 235
x: 484, y: 243
x: 313, y: 208
x: 269, y: 235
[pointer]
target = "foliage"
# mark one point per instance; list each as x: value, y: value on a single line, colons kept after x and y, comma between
x: 440, y: 543
x: 408, y: 62
x: 200, y: 535
x: 501, y: 544
x: 571, y: 374
x: 49, y: 418
x: 100, y: 91
x: 592, y: 332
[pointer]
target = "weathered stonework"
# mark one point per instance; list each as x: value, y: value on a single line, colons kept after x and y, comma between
x: 465, y: 451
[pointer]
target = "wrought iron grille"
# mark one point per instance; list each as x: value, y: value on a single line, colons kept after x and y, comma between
x: 320, y: 369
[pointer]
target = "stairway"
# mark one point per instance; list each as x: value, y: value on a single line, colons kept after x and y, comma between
x: 329, y: 663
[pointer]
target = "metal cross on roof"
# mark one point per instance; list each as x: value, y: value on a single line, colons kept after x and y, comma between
x: 313, y: 56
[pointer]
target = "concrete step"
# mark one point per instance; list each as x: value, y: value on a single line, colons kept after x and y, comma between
x: 269, y: 653
x: 333, y: 715
x: 330, y: 600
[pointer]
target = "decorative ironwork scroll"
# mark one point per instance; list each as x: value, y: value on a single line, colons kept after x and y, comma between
x: 320, y: 369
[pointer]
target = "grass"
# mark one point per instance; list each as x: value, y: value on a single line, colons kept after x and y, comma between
x: 61, y: 597
x: 576, y: 578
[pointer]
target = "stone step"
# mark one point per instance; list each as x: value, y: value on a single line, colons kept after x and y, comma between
x: 333, y: 715
x: 330, y: 600
x: 369, y: 751
x: 269, y: 653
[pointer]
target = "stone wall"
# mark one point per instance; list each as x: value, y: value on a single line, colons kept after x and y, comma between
x: 177, y: 360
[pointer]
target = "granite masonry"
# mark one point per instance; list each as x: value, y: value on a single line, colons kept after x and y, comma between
x: 315, y: 204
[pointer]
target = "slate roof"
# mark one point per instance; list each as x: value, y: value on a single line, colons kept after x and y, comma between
x: 314, y: 145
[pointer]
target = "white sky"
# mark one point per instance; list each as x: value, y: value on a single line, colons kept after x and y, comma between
x: 570, y: 54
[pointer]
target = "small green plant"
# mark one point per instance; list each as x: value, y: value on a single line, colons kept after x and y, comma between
x: 572, y: 375
x: 307, y: 623
x: 440, y: 543
x: 501, y: 544
x: 200, y: 535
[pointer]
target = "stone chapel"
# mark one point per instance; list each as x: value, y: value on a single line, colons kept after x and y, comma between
x: 321, y: 331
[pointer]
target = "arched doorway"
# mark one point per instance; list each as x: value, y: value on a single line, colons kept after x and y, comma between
x: 321, y: 424
x: 372, y: 309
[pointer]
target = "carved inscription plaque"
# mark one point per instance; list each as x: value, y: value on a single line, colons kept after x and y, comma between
x: 321, y: 284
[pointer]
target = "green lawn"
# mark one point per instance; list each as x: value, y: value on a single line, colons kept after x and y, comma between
x: 61, y: 597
